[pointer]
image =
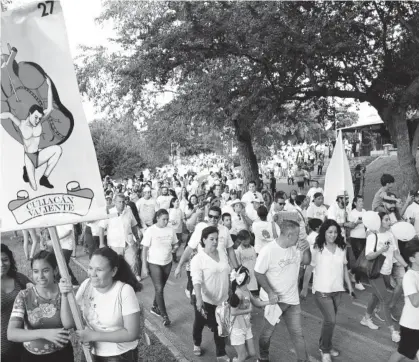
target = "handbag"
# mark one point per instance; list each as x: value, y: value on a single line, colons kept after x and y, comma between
x: 370, y: 268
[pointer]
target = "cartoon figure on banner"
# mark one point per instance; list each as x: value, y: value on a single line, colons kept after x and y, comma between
x: 31, y: 112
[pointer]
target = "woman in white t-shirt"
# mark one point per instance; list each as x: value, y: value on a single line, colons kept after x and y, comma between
x: 158, y: 243
x: 210, y: 276
x: 357, y: 233
x: 176, y: 223
x: 382, y: 243
x: 329, y: 262
x: 109, y: 307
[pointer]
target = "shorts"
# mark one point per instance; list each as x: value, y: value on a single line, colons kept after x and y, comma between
x: 300, y: 183
x: 409, y: 342
x: 398, y: 272
x: 239, y: 336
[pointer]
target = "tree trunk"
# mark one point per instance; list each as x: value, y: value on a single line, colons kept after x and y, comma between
x: 415, y: 142
x: 247, y: 157
x: 407, y: 162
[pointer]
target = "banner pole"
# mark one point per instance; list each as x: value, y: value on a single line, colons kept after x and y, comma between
x: 62, y: 267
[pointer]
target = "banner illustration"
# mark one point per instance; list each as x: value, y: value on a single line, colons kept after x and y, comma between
x: 49, y: 172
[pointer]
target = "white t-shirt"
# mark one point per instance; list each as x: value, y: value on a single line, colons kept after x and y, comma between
x: 251, y: 212
x: 160, y: 242
x: 328, y: 270
x: 213, y: 276
x: 263, y: 231
x: 67, y: 242
x: 382, y: 239
x: 104, y: 312
x: 317, y: 212
x: 247, y: 258
x: 336, y: 213
x: 412, y: 212
x: 176, y: 220
x: 281, y: 267
x: 120, y: 228
x: 410, y: 314
x: 237, y: 223
x: 224, y: 238
x: 146, y: 210
x: 311, y: 238
x: 163, y: 202
x: 359, y: 230
x: 249, y: 196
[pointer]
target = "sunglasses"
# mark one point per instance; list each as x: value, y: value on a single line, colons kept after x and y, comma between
x: 216, y: 217
x: 281, y: 203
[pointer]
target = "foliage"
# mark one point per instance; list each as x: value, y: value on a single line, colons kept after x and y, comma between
x: 120, y: 150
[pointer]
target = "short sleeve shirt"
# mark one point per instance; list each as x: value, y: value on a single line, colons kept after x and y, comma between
x: 37, y: 313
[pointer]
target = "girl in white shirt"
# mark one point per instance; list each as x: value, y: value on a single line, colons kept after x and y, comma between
x: 329, y: 262
x: 357, y: 233
x: 158, y: 243
x: 382, y: 243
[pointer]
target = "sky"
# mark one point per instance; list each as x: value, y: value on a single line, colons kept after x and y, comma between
x: 82, y: 29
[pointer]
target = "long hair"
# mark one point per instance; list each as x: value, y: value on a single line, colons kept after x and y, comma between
x: 234, y: 300
x: 50, y: 258
x: 124, y: 272
x: 190, y: 206
x: 172, y: 203
x: 321, y: 238
x: 13, y: 267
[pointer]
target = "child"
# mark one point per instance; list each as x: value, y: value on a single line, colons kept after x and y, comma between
x: 409, y: 321
x: 246, y: 256
x: 314, y: 225
x: 226, y: 219
x: 241, y: 301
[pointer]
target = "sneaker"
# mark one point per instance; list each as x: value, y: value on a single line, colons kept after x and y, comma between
x: 359, y: 286
x: 326, y: 357
x: 197, y: 350
x: 367, y: 322
x: 156, y: 311
x: 395, y: 336
x: 333, y: 352
x: 166, y: 321
x: 223, y: 359
x: 188, y: 295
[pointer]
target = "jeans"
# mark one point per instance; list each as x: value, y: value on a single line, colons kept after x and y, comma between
x: 129, y: 356
x: 379, y: 291
x: 328, y: 304
x: 67, y: 255
x: 292, y: 317
x: 199, y: 324
x: 358, y: 246
x: 159, y: 275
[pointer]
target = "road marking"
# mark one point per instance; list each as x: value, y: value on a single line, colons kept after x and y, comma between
x: 361, y: 338
x: 310, y: 358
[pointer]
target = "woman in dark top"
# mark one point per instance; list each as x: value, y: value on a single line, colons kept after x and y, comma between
x: 11, y: 283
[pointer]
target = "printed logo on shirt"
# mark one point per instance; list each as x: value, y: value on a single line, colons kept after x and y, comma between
x: 266, y: 234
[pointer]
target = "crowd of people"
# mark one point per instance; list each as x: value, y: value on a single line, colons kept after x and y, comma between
x: 242, y: 247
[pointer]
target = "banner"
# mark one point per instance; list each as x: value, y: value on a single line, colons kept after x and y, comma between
x: 49, y: 172
x: 338, y: 175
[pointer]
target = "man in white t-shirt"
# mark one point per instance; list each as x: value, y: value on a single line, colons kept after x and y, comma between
x: 225, y: 243
x: 317, y: 210
x: 163, y: 201
x: 251, y: 194
x: 412, y: 213
x: 121, y: 231
x: 277, y: 268
x: 313, y: 190
x: 146, y: 207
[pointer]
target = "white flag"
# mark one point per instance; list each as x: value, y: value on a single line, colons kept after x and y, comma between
x: 49, y: 172
x: 338, y: 175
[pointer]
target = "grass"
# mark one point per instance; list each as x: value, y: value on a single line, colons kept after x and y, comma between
x: 374, y: 172
x: 155, y: 352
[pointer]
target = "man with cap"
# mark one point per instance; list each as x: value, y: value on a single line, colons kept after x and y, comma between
x: 252, y: 208
x: 239, y: 219
x: 412, y: 212
x: 392, y: 206
x: 338, y: 212
x: 146, y: 207
x: 251, y: 194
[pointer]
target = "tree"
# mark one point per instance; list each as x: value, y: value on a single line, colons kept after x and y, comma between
x: 251, y: 67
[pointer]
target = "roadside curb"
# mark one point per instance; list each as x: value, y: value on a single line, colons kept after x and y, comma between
x: 374, y: 160
x: 152, y: 329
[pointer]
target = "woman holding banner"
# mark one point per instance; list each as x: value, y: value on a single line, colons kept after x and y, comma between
x: 109, y: 306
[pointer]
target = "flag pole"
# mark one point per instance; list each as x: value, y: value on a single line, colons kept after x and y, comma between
x: 62, y: 267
